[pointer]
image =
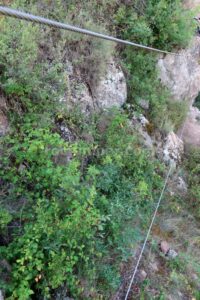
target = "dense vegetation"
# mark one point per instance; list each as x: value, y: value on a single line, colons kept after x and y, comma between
x: 193, y: 168
x: 71, y: 211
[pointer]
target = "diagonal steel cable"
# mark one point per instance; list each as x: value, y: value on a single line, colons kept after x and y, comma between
x: 37, y: 19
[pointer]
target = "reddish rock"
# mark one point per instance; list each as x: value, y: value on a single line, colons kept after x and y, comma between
x: 164, y: 247
x: 142, y: 275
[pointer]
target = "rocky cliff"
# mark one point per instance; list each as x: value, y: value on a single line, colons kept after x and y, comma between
x: 181, y: 74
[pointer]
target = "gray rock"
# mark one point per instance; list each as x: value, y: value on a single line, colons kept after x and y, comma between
x: 147, y: 140
x: 81, y: 97
x: 139, y: 123
x: 144, y: 104
x: 173, y: 149
x: 181, y: 73
x: 66, y: 133
x: 181, y: 185
x: 112, y: 89
x: 143, y: 121
x: 1, y: 295
x: 172, y: 254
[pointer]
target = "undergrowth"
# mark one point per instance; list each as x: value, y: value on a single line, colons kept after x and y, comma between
x: 72, y: 211
x: 192, y: 165
x: 160, y: 24
x: 64, y: 220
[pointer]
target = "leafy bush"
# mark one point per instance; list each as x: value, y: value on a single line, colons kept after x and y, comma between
x: 71, y: 217
x: 160, y: 24
x: 193, y: 168
x: 71, y: 212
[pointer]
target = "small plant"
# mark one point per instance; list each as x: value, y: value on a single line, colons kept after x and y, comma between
x: 193, y: 168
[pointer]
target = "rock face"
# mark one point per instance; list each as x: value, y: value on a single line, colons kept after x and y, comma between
x: 191, y: 129
x: 181, y: 73
x: 111, y: 90
x: 173, y: 149
x: 140, y: 123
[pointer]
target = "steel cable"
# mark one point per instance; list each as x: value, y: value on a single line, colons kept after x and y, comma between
x: 37, y: 19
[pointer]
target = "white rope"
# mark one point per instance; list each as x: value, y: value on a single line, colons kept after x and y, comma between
x: 148, y: 233
x: 37, y: 19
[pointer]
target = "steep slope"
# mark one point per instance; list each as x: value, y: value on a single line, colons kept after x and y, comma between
x: 78, y: 181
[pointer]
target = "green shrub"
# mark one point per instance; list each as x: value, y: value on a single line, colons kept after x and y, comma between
x: 193, y: 168
x: 171, y: 24
x: 72, y: 217
x: 160, y: 24
x: 70, y: 222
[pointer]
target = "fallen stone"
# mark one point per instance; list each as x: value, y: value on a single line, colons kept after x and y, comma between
x: 164, y: 247
x: 142, y: 275
x: 172, y: 254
